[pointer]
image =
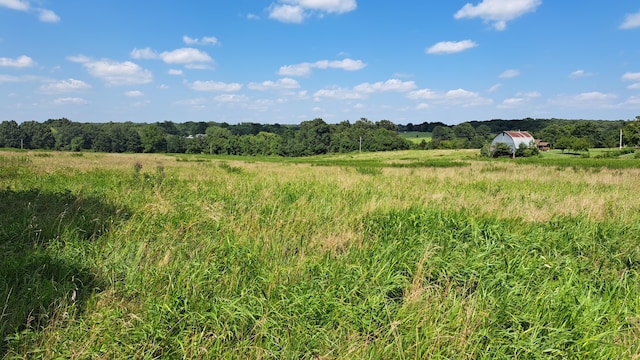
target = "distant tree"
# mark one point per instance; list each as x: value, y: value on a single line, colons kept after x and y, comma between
x: 218, y: 139
x: 464, y: 131
x: 37, y: 135
x: 563, y: 143
x: 11, y: 135
x: 483, y: 130
x: 153, y: 139
x: 176, y: 144
x: 442, y: 133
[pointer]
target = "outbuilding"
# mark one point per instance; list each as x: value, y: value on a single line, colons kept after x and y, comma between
x: 513, y: 139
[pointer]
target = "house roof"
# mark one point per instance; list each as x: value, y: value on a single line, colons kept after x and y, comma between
x: 519, y: 134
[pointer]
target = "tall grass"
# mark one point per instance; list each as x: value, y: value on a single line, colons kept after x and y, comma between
x: 237, y: 259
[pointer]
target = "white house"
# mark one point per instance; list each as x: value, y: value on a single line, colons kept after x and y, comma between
x: 513, y: 139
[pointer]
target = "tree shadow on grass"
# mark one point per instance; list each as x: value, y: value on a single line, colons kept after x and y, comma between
x: 44, y: 239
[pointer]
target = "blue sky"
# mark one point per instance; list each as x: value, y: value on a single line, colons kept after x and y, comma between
x: 286, y: 61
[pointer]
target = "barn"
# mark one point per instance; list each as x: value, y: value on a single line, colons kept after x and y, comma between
x: 513, y: 139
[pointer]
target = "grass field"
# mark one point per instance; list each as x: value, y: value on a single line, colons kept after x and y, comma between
x: 400, y: 255
x: 416, y: 136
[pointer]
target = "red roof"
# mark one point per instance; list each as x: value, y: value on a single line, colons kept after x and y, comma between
x: 519, y: 134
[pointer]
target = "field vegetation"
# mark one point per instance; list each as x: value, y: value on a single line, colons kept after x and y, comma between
x: 395, y: 255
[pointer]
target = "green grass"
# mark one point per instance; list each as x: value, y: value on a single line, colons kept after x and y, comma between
x: 403, y: 255
x: 416, y: 136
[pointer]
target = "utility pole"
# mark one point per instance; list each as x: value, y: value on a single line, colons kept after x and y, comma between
x: 620, y: 139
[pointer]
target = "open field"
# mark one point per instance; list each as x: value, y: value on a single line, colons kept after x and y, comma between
x: 400, y: 255
x: 416, y: 136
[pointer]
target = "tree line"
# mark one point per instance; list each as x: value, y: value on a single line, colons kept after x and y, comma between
x: 313, y: 137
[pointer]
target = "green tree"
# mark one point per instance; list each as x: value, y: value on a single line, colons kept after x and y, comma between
x: 153, y: 139
x: 442, y: 133
x: 11, y: 135
x: 464, y: 131
x: 37, y: 135
x: 218, y: 139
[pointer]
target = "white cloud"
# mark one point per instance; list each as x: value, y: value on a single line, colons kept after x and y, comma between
x: 79, y: 58
x: 113, y: 72
x: 69, y: 85
x: 635, y: 86
x: 452, y: 97
x: 295, y: 11
x: 253, y: 17
x: 145, y: 53
x: 631, y: 76
x: 163, y: 86
x: 287, y: 13
x: 285, y: 83
x: 20, y: 62
x: 494, y: 88
x: 70, y: 100
x: 389, y: 85
x: 337, y: 94
x: 508, y: 74
x: 520, y: 99
x: 175, y: 72
x: 579, y: 74
x: 498, y: 12
x: 48, y: 16
x: 15, y: 4
x: 22, y: 78
x: 422, y: 106
x: 631, y: 21
x: 134, y: 93
x: 190, y: 57
x: 450, y: 47
x: 231, y: 98
x: 594, y: 96
x: 207, y: 40
x: 305, y: 69
x: 185, y: 56
x: 44, y: 15
x: 214, y: 86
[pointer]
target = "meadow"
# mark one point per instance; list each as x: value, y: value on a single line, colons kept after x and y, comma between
x: 397, y: 255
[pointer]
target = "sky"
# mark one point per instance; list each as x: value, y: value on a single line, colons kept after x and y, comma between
x: 287, y: 61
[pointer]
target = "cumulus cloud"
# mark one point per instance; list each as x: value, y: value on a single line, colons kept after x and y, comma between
x: 19, y: 62
x: 231, y: 98
x: 631, y: 21
x: 207, y: 40
x: 175, y: 72
x: 114, y: 72
x: 190, y: 57
x: 305, y: 69
x: 49, y: 16
x: 452, y: 97
x: 285, y: 83
x: 215, y: 86
x: 498, y: 12
x: 451, y: 47
x: 134, y: 93
x: 296, y: 11
x: 631, y: 76
x: 579, y: 74
x: 70, y: 101
x: 510, y: 73
x: 337, y: 94
x: 519, y: 100
x: 15, y: 4
x: 389, y: 85
x: 69, y: 85
x: 44, y: 15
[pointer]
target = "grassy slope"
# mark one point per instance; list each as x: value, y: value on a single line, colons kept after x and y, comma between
x: 250, y: 259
